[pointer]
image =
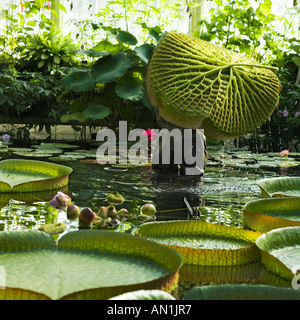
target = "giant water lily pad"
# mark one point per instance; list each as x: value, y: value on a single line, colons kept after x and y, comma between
x: 31, y: 176
x: 280, y: 251
x: 85, y: 264
x: 280, y: 187
x: 267, y: 214
x: 204, y: 243
x: 241, y: 292
x: 197, y: 84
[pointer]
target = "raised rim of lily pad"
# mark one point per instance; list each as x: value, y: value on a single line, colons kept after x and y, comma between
x: 37, y: 175
x: 241, y: 292
x: 279, y: 187
x: 280, y: 239
x: 206, y: 256
x: 260, y: 215
x: 85, y: 246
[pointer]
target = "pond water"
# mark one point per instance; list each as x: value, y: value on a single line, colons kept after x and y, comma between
x: 228, y: 184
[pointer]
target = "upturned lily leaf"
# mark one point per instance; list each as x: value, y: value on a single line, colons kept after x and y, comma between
x: 31, y: 175
x: 106, y: 69
x: 204, y: 243
x: 280, y: 251
x: 280, y: 187
x: 267, y: 214
x: 196, y: 84
x: 145, y: 295
x: 241, y: 292
x: 86, y: 264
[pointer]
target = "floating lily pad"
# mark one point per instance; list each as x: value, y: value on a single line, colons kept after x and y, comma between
x: 31, y: 175
x: 280, y: 250
x: 241, y: 292
x: 116, y: 263
x: 204, y: 243
x: 280, y: 187
x: 57, y: 145
x: 267, y: 214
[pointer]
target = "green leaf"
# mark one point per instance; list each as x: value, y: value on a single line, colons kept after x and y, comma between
x: 144, y: 52
x: 41, y: 64
x: 107, y: 69
x: 267, y: 214
x: 30, y: 176
x: 126, y: 37
x: 56, y: 59
x: 280, y: 187
x: 97, y: 112
x: 130, y: 91
x: 105, y: 45
x: 76, y: 116
x: 60, y: 6
x: 60, y: 271
x: 79, y: 80
x: 280, y: 251
x: 198, y: 88
x: 94, y: 53
x: 241, y: 292
x: 204, y: 243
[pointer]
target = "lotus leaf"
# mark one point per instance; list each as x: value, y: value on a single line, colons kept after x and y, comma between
x: 106, y: 69
x: 241, y: 292
x: 32, y: 176
x: 204, y: 243
x: 85, y: 264
x: 267, y: 214
x: 280, y: 250
x: 197, y: 84
x: 280, y: 187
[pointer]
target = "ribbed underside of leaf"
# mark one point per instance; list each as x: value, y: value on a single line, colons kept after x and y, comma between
x: 203, y: 243
x: 266, y: 214
x: 196, y: 84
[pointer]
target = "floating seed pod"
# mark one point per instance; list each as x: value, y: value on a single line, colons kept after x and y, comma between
x: 199, y: 85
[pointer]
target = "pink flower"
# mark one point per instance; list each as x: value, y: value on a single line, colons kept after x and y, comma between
x: 285, y: 153
x: 297, y: 114
x: 60, y: 201
x: 150, y: 133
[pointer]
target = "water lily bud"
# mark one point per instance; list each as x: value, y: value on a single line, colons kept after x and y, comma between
x: 123, y: 212
x: 148, y: 209
x: 73, y: 212
x: 60, y: 201
x: 103, y: 212
x: 87, y: 216
x: 112, y: 212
